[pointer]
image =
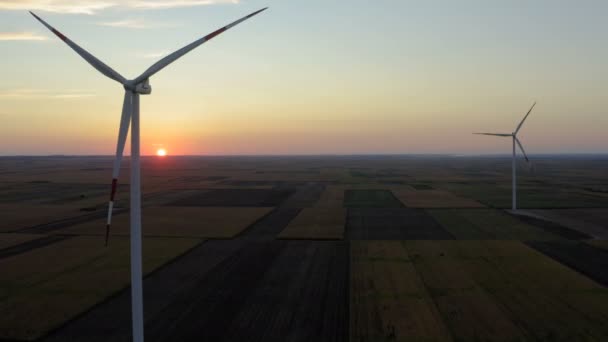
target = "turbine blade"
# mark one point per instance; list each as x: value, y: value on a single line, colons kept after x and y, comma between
x: 524, y: 119
x: 496, y: 134
x: 521, y: 147
x: 156, y: 67
x: 125, y: 119
x: 96, y: 63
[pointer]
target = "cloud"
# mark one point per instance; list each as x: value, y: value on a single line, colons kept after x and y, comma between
x: 135, y: 24
x: 58, y: 6
x: 154, y: 55
x: 128, y: 23
x: 21, y: 36
x: 26, y: 94
x: 94, y: 6
x: 164, y: 4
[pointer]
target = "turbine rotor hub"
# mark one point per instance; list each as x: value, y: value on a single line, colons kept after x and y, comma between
x: 142, y: 88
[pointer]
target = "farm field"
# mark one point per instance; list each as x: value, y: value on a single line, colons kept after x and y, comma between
x: 434, y: 199
x: 324, y: 248
x: 316, y: 223
x: 171, y: 221
x: 71, y: 275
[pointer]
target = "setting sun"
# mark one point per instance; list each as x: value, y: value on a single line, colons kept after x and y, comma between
x: 161, y: 152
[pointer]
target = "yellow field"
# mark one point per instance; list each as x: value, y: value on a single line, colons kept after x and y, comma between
x: 204, y: 222
x: 388, y: 300
x: 316, y: 223
x: 434, y: 199
x: 43, y: 288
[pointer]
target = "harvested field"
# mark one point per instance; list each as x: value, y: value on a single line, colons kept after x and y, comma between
x: 203, y: 222
x: 235, y: 198
x: 370, y: 198
x: 316, y: 223
x: 487, y: 224
x: 388, y: 300
x: 434, y: 199
x: 393, y: 224
x: 45, y: 287
x: 585, y: 258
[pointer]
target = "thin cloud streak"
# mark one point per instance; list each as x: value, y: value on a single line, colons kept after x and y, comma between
x: 21, y: 36
x: 91, y: 7
x: 163, y: 4
x: 58, y: 6
x: 27, y: 94
x: 135, y: 24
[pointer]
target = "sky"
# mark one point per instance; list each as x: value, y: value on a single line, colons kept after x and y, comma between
x: 309, y: 77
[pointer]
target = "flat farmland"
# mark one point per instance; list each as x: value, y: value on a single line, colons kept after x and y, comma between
x: 388, y: 300
x: 18, y: 216
x: 235, y: 198
x: 323, y: 248
x: 316, y: 223
x: 11, y: 239
x: 202, y: 222
x: 588, y: 259
x: 332, y: 197
x: 546, y: 299
x: 393, y: 224
x: 593, y: 222
x: 434, y: 199
x: 370, y: 198
x: 530, y: 195
x: 43, y: 288
x: 468, y: 310
x: 484, y: 224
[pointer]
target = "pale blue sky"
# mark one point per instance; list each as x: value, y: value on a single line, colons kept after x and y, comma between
x: 311, y: 77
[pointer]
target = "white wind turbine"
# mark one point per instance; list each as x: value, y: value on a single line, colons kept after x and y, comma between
x: 515, y: 141
x: 130, y: 115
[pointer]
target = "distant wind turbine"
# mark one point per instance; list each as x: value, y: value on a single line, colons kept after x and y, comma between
x: 130, y: 115
x: 515, y: 141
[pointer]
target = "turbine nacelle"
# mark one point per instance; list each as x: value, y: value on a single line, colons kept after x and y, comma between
x: 142, y: 88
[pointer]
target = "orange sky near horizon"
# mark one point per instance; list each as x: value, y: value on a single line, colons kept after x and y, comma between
x: 310, y: 78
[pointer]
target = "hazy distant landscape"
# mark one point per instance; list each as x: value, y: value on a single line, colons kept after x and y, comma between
x: 328, y: 248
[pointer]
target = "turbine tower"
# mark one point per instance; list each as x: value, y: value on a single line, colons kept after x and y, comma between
x: 130, y: 115
x: 515, y: 141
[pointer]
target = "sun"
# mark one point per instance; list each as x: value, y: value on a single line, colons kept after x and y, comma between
x: 161, y: 152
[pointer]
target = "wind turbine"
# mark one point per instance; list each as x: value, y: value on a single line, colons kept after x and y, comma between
x: 130, y: 115
x: 515, y: 141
